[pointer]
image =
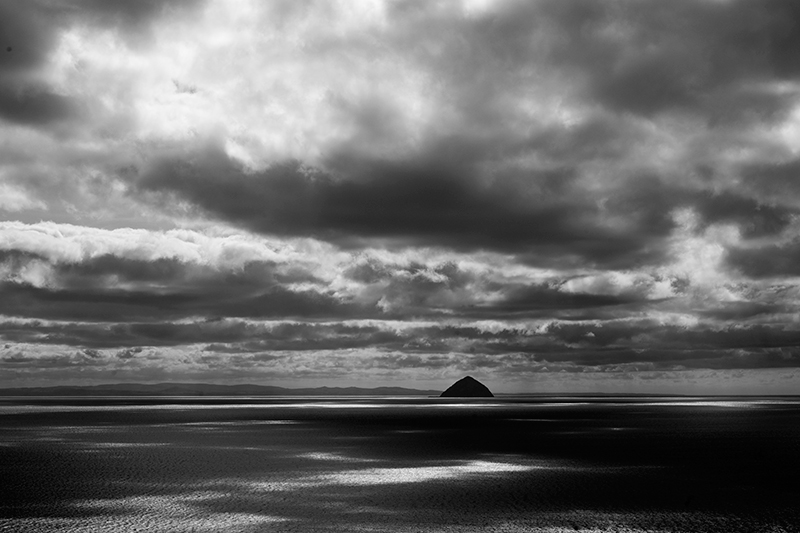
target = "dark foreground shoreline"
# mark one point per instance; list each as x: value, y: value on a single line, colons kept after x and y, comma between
x: 513, y: 463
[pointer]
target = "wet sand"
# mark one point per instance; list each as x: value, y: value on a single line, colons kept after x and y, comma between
x: 401, y: 464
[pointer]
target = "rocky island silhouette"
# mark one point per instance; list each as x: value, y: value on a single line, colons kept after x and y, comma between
x: 467, y: 387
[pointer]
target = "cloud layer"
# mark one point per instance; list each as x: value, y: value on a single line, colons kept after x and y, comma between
x: 398, y: 190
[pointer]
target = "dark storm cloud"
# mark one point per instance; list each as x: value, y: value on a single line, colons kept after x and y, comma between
x: 650, y: 200
x: 172, y: 272
x: 547, y: 300
x: 224, y: 336
x: 90, y: 271
x: 99, y: 304
x: 233, y: 336
x: 541, y: 217
x: 754, y: 218
x: 34, y: 106
x: 774, y: 260
x: 648, y: 57
x: 778, y: 180
x: 113, y: 288
x: 739, y: 311
x: 425, y: 202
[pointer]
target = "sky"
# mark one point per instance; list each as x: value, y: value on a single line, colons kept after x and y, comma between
x: 548, y: 195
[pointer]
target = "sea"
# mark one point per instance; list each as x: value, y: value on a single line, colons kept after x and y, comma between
x: 532, y: 463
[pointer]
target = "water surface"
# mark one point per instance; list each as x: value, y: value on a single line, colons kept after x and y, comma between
x: 509, y: 464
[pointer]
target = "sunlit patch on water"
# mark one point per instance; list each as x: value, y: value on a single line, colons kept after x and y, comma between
x: 333, y: 457
x: 393, y: 476
x: 146, y: 514
x: 419, y: 474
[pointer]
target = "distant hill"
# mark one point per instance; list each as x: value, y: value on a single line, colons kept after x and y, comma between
x: 207, y: 389
x: 468, y: 387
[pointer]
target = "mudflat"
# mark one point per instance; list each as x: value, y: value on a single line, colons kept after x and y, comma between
x: 406, y: 464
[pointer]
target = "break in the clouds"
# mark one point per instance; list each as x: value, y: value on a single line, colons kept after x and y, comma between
x: 554, y: 194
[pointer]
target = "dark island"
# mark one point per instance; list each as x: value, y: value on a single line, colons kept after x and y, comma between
x: 467, y: 387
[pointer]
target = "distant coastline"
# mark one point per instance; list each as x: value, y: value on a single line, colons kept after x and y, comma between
x: 206, y: 389
x: 244, y: 390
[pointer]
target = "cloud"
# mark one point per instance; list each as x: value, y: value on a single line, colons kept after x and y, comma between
x: 775, y: 180
x: 30, y: 33
x: 302, y: 190
x: 775, y: 260
x: 599, y: 346
x: 231, y: 294
x: 381, y: 200
x: 433, y: 203
x: 34, y: 106
x: 120, y: 304
x: 62, y: 271
x: 13, y: 199
x: 25, y: 30
x: 562, y: 177
x: 648, y: 58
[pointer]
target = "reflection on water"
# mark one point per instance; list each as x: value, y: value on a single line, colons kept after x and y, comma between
x: 145, y: 513
x: 418, y: 464
x: 393, y: 476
